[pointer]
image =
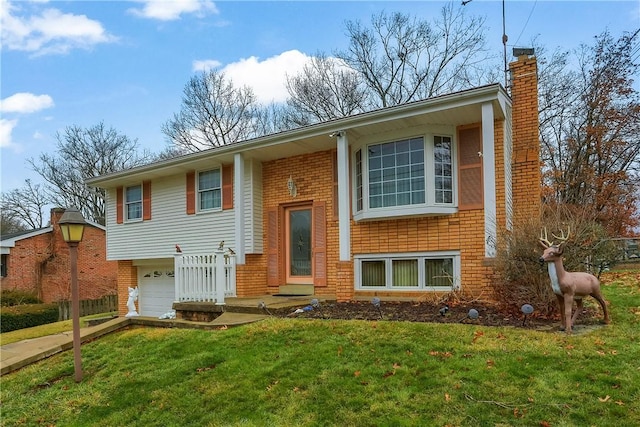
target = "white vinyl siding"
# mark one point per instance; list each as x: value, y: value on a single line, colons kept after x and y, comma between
x: 253, y: 211
x: 156, y: 239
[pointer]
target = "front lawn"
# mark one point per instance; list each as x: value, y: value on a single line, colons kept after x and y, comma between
x: 286, y: 372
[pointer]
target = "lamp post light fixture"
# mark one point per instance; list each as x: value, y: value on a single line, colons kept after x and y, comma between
x: 72, y: 227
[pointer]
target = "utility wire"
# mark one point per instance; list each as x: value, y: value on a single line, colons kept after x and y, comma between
x: 526, y: 23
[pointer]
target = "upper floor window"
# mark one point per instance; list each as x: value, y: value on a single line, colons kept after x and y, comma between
x: 133, y: 202
x: 209, y: 190
x: 410, y: 174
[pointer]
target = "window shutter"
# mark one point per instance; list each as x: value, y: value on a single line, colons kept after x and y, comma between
x: 334, y: 186
x: 273, y: 248
x: 146, y: 200
x: 319, y: 244
x: 119, y: 205
x: 227, y: 187
x: 470, y: 182
x: 191, y: 193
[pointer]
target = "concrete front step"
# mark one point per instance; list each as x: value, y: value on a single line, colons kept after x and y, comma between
x: 208, y: 311
x: 295, y: 289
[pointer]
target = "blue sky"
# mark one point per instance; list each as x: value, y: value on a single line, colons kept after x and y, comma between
x: 125, y: 63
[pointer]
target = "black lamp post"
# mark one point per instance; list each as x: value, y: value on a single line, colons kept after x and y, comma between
x: 72, y: 227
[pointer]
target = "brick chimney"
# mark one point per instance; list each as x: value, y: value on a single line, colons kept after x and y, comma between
x: 526, y: 165
x: 56, y: 214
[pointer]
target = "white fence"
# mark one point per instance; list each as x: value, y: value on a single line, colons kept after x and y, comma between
x: 205, y: 277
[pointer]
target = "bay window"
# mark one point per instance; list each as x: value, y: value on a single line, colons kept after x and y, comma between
x: 405, y: 177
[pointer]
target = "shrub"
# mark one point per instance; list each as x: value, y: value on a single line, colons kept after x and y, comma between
x: 522, y: 279
x: 27, y: 315
x: 16, y: 297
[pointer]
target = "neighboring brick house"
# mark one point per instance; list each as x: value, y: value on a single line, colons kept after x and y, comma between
x: 38, y: 261
x: 397, y: 202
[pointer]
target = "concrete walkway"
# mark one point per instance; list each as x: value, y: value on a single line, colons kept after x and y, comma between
x: 20, y: 354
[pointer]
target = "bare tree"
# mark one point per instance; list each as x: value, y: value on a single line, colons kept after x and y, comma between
x: 214, y: 113
x: 325, y: 89
x: 402, y: 59
x: 83, y: 154
x: 590, y: 130
x: 25, y: 205
x: 9, y: 224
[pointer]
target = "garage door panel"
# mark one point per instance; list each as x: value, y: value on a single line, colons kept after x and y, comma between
x: 157, y: 291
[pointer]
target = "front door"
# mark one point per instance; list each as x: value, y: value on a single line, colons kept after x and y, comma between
x: 298, y: 228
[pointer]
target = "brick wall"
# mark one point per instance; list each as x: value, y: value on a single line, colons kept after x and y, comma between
x: 41, y: 264
x: 313, y: 176
x: 24, y: 263
x: 252, y: 276
x: 127, y: 278
x: 527, y: 179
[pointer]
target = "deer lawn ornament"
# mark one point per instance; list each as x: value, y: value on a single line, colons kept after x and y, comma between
x: 569, y: 286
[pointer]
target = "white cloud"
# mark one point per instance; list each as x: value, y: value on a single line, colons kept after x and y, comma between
x: 49, y: 32
x: 24, y: 102
x: 6, y: 128
x: 170, y: 10
x: 205, y: 64
x: 268, y: 77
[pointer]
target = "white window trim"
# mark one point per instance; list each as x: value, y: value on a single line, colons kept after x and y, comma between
x: 430, y: 207
x: 420, y: 256
x: 215, y: 209
x: 126, y: 204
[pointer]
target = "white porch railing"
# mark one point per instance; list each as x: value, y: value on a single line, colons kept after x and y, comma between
x: 205, y: 277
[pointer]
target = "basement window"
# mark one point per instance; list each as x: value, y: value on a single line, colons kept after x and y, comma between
x: 431, y: 271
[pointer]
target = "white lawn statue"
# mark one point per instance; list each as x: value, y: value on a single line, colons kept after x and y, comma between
x: 133, y: 297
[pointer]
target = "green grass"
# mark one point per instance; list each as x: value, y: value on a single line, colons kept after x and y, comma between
x: 48, y: 329
x: 285, y: 372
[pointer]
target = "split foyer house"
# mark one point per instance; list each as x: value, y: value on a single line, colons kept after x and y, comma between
x: 396, y: 202
x: 37, y: 261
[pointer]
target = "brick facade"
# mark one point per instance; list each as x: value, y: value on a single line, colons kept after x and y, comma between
x: 313, y: 177
x: 40, y: 264
x: 127, y: 278
x: 463, y: 231
x: 527, y: 180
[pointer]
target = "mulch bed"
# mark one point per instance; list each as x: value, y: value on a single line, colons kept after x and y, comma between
x: 488, y: 315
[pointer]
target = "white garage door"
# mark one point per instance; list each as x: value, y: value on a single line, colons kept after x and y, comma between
x: 157, y: 289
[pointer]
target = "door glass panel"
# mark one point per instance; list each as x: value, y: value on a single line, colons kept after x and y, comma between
x: 300, y: 242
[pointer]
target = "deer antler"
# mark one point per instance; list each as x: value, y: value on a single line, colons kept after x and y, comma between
x: 544, y: 241
x: 563, y: 238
